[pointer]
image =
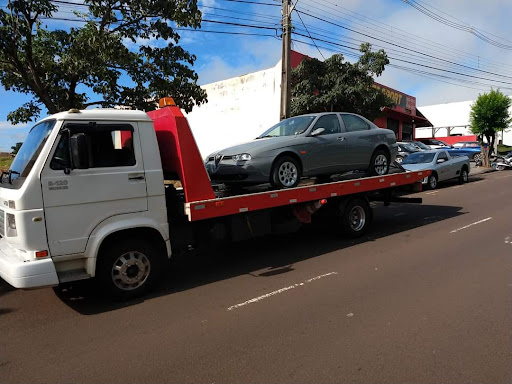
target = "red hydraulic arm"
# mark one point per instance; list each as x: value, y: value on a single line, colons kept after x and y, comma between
x: 179, y: 152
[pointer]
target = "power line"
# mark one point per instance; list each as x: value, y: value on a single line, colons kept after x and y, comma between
x: 402, y: 47
x: 407, y: 35
x: 462, y: 27
x: 313, y: 40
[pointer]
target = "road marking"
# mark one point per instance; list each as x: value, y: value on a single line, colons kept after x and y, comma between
x: 266, y: 296
x: 508, y: 239
x: 470, y: 225
x: 431, y: 193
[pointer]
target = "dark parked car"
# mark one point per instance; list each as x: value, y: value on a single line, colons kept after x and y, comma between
x: 319, y: 144
x: 404, y: 149
x: 419, y: 145
x: 434, y: 143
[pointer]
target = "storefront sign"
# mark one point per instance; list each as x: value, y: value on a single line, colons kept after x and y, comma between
x: 403, y: 102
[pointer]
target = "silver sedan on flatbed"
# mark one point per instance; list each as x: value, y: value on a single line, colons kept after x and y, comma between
x: 318, y: 144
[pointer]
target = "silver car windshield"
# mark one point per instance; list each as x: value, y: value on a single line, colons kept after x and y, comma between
x: 289, y: 127
x: 27, y: 155
x: 419, y: 158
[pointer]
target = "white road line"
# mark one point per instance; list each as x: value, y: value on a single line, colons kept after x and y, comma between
x: 431, y: 193
x: 508, y: 239
x: 266, y: 296
x: 470, y: 225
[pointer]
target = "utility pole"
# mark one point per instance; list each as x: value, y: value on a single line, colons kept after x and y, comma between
x: 285, y: 60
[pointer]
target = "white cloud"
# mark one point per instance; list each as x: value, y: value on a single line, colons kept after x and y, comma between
x: 8, y: 125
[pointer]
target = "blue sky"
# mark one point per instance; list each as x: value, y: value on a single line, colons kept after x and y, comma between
x: 398, y: 26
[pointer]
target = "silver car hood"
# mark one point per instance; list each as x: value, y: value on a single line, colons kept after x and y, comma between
x: 260, y: 145
x: 417, y: 167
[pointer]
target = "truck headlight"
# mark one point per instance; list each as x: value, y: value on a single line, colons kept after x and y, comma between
x: 11, y: 225
x: 242, y: 157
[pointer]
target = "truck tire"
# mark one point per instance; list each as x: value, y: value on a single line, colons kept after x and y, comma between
x: 464, y: 175
x: 128, y: 268
x: 286, y: 173
x: 356, y: 217
x: 379, y: 164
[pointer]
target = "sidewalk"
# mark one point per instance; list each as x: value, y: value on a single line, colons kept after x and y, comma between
x: 479, y: 170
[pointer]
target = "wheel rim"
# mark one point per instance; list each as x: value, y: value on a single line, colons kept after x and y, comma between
x: 399, y: 160
x: 500, y: 167
x: 433, y: 182
x: 477, y: 157
x: 288, y: 174
x: 130, y: 270
x: 357, y: 218
x: 465, y: 176
x: 381, y: 164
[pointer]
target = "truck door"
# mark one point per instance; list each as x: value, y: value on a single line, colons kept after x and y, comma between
x: 443, y: 168
x: 113, y: 183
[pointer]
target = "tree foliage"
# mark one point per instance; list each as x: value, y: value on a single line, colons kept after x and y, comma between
x: 337, y: 85
x: 15, y: 148
x: 59, y: 68
x: 489, y: 115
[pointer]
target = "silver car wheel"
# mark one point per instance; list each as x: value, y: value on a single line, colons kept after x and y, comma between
x: 288, y: 174
x: 357, y: 218
x: 130, y: 270
x: 433, y: 182
x: 381, y: 164
x: 399, y: 159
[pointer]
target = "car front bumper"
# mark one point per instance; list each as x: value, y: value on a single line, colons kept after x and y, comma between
x: 254, y: 171
x: 22, y: 273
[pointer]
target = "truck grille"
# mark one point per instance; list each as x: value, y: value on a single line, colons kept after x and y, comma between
x: 2, y: 223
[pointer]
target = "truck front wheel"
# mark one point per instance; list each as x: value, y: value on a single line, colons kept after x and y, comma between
x: 128, y: 268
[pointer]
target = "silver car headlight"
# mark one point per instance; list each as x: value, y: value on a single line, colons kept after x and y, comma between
x: 242, y: 157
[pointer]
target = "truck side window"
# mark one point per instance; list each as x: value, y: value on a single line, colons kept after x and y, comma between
x: 354, y: 123
x: 442, y: 155
x: 330, y: 123
x: 106, y: 149
x: 111, y: 149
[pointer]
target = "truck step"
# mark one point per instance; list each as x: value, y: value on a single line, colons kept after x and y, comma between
x: 73, y: 275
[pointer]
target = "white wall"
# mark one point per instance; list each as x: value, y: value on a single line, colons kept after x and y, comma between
x: 452, y: 115
x: 238, y: 110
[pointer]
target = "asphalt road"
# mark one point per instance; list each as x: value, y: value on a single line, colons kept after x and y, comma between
x: 425, y: 298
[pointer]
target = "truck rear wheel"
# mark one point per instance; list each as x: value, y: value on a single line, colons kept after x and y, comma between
x: 356, y: 217
x: 128, y: 268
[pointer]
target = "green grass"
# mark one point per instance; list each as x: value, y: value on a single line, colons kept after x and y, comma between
x: 504, y: 149
x: 5, y: 163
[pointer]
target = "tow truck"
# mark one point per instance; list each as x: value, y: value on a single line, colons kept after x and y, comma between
x: 112, y: 194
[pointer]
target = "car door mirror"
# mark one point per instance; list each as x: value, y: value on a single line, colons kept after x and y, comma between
x: 79, y: 151
x: 318, y: 131
x: 439, y: 161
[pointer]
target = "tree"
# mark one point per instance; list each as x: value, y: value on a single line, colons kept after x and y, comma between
x: 337, y: 85
x: 15, y: 148
x: 56, y: 67
x: 489, y: 114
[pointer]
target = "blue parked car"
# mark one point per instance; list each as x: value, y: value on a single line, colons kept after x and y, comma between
x: 470, y: 149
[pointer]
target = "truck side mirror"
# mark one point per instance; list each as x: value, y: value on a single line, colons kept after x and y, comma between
x: 79, y: 151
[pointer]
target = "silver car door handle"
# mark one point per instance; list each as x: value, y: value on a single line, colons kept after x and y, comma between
x: 341, y: 138
x: 136, y: 176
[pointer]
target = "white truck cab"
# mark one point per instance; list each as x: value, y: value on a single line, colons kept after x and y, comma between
x: 81, y: 181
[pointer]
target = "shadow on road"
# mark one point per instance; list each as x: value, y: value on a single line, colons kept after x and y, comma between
x: 271, y: 256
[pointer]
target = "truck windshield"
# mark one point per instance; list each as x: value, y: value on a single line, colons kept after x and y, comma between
x: 419, y: 158
x: 28, y: 154
x: 289, y: 127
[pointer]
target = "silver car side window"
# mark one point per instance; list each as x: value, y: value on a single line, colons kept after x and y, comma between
x: 354, y: 123
x: 329, y: 122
